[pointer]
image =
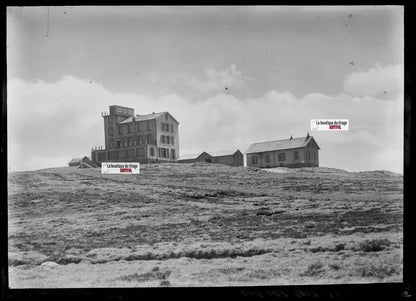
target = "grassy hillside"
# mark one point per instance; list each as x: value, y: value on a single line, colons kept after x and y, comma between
x: 203, y: 224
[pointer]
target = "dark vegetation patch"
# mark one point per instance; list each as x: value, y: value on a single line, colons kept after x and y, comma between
x: 153, y: 275
x: 336, y: 248
x: 377, y: 271
x: 313, y: 269
x: 374, y: 245
x: 199, y: 254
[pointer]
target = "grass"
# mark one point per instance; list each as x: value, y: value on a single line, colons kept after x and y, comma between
x: 63, y: 214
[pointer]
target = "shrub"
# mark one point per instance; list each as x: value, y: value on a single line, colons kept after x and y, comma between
x: 313, y: 269
x: 318, y: 249
x: 377, y: 271
x: 155, y: 269
x: 339, y: 247
x: 164, y: 283
x: 374, y: 245
x: 153, y: 275
x: 334, y: 266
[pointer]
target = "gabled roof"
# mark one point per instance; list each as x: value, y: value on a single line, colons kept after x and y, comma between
x: 146, y: 117
x: 279, y: 145
x: 78, y: 160
x: 75, y: 160
x: 193, y: 156
x: 189, y: 156
x: 223, y: 153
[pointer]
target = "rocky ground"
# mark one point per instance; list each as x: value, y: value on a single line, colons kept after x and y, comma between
x: 203, y: 225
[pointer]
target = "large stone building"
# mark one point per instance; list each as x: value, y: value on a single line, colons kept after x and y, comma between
x: 138, y: 138
x: 292, y: 152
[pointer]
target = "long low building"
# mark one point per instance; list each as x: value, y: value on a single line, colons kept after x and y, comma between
x: 84, y: 162
x: 292, y: 152
x: 227, y: 158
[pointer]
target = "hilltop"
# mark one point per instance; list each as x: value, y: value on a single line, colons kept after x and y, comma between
x: 204, y: 224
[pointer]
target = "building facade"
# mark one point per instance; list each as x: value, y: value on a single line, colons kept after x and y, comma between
x: 292, y: 152
x: 234, y: 159
x: 231, y: 159
x: 138, y: 138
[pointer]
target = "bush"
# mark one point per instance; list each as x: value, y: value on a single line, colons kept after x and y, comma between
x: 339, y: 247
x: 374, y: 245
x: 153, y: 275
x: 377, y: 271
x: 313, y: 269
x: 164, y: 283
x: 334, y: 266
x: 318, y: 249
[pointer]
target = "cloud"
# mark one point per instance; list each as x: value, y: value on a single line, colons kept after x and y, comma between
x: 50, y: 123
x: 383, y: 82
x: 217, y: 80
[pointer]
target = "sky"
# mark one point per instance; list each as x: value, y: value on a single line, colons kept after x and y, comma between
x: 231, y: 76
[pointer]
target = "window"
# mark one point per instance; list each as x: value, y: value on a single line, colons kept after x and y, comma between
x: 171, y: 140
x: 119, y: 143
x: 267, y: 158
x: 165, y: 127
x: 162, y: 139
x: 163, y: 153
x: 139, y: 127
x: 254, y: 160
x: 308, y: 156
x: 296, y: 155
x: 281, y: 156
x: 149, y: 139
x: 166, y: 116
x: 129, y: 128
x: 152, y: 152
x: 111, y: 143
x: 167, y: 140
x: 111, y: 131
x: 149, y: 126
x: 171, y: 128
x: 120, y: 130
x: 129, y: 141
x: 172, y: 154
x: 139, y: 140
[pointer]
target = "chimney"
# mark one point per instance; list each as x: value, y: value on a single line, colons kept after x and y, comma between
x: 291, y: 137
x: 307, y: 136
